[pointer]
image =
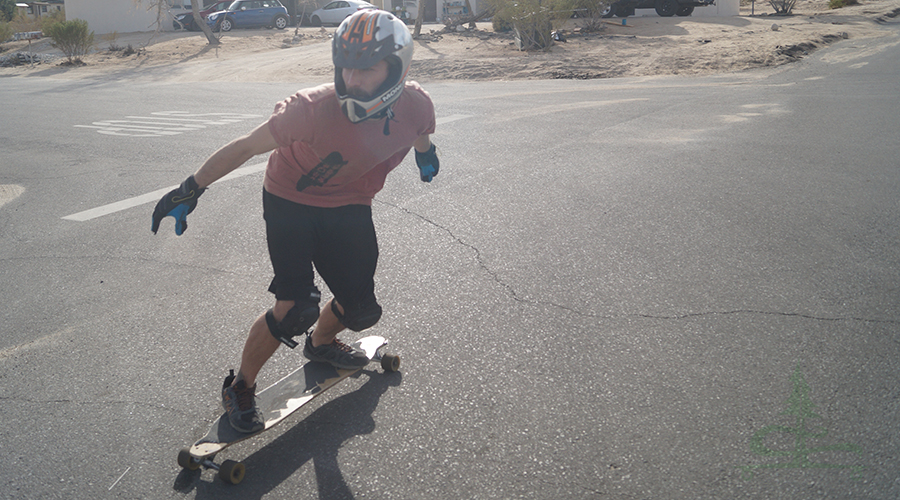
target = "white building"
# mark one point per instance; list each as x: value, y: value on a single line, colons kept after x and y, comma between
x: 124, y: 16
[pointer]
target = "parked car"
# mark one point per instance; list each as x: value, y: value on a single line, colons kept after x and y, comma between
x: 335, y: 12
x: 302, y: 11
x: 249, y: 14
x: 409, y: 13
x: 664, y: 8
x: 186, y: 20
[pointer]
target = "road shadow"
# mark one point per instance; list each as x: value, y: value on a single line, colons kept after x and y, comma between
x: 317, y: 437
x: 204, y: 50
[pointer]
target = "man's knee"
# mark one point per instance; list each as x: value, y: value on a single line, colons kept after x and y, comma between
x: 358, y: 319
x: 298, y: 320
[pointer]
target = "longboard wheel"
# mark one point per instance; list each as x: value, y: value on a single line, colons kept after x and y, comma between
x: 232, y: 472
x: 390, y: 362
x: 186, y: 461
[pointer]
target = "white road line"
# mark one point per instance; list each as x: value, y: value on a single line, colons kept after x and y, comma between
x: 156, y: 195
x: 163, y: 118
x: 153, y: 124
x: 118, y: 206
x: 152, y: 197
x: 451, y: 118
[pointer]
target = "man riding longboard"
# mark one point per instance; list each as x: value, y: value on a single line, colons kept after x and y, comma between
x: 332, y: 147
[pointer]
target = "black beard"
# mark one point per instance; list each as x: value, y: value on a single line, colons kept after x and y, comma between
x: 359, y: 95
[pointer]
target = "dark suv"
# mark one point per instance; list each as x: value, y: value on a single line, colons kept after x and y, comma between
x: 665, y: 8
x: 249, y: 14
x: 186, y: 20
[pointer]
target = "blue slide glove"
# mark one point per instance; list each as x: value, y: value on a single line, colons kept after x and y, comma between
x: 177, y: 204
x: 428, y: 163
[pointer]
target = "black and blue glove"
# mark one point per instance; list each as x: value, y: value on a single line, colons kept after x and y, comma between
x: 177, y: 204
x: 428, y: 163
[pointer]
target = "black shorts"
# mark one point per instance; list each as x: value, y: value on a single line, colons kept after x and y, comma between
x: 340, y: 242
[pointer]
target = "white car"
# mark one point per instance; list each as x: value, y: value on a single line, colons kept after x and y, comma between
x: 408, y: 13
x: 412, y: 10
x: 335, y: 12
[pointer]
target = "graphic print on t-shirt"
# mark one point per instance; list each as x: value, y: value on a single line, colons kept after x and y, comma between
x: 323, y: 172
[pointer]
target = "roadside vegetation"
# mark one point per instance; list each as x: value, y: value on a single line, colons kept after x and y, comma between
x: 536, y: 23
x: 7, y: 11
x: 837, y: 4
x: 11, y: 22
x: 783, y: 7
x: 73, y: 38
x: 6, y: 32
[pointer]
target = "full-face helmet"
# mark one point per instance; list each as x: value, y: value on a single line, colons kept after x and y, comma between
x: 363, y: 39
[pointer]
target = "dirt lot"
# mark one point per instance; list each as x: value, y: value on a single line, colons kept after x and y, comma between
x: 645, y: 46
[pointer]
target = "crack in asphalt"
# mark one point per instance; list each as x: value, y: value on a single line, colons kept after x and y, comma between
x: 473, y: 248
x: 518, y: 298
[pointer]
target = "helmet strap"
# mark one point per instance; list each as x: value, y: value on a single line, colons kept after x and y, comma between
x: 387, y: 121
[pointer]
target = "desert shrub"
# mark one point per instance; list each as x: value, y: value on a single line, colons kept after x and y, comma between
x: 73, y: 38
x: 783, y: 7
x: 837, y: 4
x: 6, y: 31
x: 533, y: 31
x: 111, y: 40
x: 533, y: 20
x: 590, y: 13
x: 501, y: 24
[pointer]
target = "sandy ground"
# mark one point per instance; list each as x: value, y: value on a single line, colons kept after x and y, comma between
x: 645, y: 46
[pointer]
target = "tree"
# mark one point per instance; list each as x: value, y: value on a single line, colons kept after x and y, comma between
x: 420, y: 13
x: 161, y: 6
x: 199, y: 21
x: 471, y: 13
x: 7, y: 10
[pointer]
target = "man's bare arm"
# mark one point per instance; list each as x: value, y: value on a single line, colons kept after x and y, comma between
x: 423, y: 143
x: 234, y: 154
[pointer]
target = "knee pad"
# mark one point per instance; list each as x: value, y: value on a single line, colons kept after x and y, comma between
x: 296, y: 322
x: 359, y: 319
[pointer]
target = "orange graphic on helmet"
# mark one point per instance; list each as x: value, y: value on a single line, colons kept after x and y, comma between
x: 361, y: 29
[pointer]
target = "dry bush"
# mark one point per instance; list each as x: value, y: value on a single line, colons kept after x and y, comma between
x: 73, y: 38
x: 782, y: 7
x: 533, y: 21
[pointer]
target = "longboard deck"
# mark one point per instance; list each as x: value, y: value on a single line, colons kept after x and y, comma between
x: 283, y: 398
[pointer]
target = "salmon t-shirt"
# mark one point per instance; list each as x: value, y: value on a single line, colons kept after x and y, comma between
x: 325, y: 160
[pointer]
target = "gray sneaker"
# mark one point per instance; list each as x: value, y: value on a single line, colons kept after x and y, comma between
x: 239, y: 402
x: 337, y: 353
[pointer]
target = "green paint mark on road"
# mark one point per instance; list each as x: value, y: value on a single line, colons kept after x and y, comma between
x: 801, y: 407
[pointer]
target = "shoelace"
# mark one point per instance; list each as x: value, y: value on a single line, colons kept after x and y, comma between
x: 342, y: 346
x: 245, y: 398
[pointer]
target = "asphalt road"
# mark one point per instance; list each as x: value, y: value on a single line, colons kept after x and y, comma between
x: 628, y: 288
